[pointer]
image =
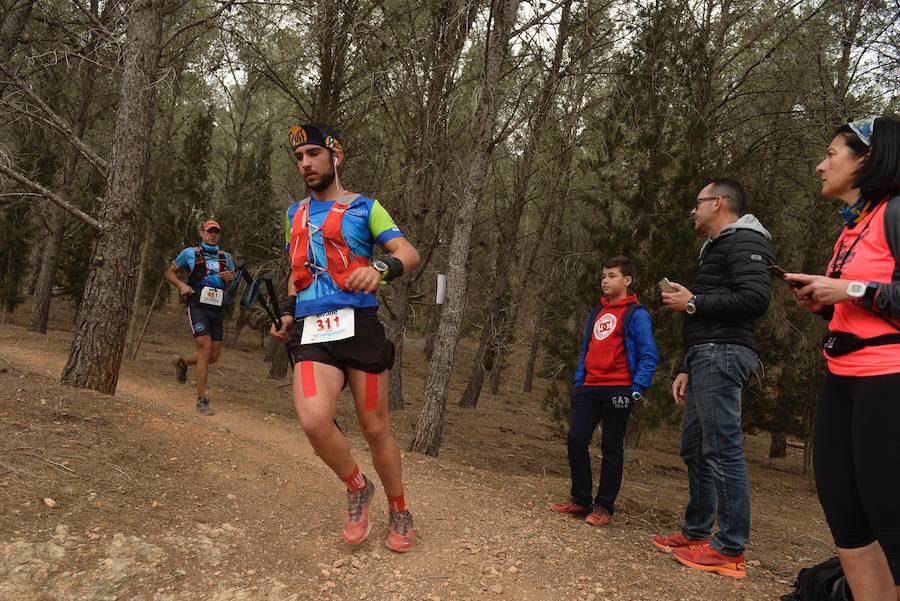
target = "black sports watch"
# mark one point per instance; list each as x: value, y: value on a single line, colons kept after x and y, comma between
x: 381, y: 267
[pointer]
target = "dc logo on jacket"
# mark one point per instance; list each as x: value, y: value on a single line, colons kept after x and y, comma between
x: 605, y: 326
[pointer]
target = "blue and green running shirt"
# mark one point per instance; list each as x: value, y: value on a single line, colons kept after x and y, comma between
x: 186, y: 258
x: 365, y: 224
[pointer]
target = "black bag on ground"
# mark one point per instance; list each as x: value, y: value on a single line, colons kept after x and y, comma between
x: 822, y: 582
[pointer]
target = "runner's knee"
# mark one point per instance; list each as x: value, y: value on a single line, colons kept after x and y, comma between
x: 375, y: 431
x: 316, y: 424
x: 204, y: 348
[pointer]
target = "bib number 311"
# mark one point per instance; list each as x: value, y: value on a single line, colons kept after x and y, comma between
x: 328, y: 327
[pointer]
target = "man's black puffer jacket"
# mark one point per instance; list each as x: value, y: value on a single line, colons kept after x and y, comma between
x: 732, y: 286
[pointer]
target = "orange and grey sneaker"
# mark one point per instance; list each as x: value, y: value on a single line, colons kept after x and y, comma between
x: 708, y: 559
x: 570, y: 508
x: 677, y: 541
x: 598, y: 517
x: 400, y: 532
x: 356, y: 520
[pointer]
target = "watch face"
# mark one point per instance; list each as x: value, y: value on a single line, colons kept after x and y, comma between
x: 690, y: 308
x: 380, y: 266
x: 856, y: 289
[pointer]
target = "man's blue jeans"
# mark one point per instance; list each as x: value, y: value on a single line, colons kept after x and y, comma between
x: 712, y: 445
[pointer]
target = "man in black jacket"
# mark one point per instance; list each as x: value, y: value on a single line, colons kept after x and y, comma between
x: 730, y: 292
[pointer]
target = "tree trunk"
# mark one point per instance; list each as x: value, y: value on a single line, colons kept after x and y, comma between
x: 497, y: 372
x: 280, y: 361
x: 848, y: 40
x: 427, y: 166
x: 540, y: 114
x: 13, y: 18
x: 778, y: 448
x: 35, y: 258
x: 400, y: 309
x: 335, y: 30
x: 43, y: 288
x: 131, y: 337
x: 532, y: 358
x: 430, y: 428
x: 140, y: 335
x: 43, y: 291
x: 96, y: 353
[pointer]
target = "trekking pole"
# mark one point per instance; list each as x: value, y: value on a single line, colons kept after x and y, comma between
x: 276, y: 312
x: 240, y: 273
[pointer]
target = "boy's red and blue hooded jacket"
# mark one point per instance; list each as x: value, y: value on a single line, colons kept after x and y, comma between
x: 640, y: 346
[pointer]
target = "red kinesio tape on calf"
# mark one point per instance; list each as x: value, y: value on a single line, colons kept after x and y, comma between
x: 308, y: 379
x: 371, y: 392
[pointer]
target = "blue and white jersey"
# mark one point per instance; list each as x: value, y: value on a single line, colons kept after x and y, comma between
x: 186, y: 260
x: 365, y: 224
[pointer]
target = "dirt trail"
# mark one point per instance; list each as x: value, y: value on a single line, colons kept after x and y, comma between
x: 155, y: 502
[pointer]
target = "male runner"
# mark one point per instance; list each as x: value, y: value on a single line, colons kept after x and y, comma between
x: 331, y: 320
x: 210, y: 269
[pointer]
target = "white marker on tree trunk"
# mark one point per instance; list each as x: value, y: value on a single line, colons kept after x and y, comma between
x: 441, y: 294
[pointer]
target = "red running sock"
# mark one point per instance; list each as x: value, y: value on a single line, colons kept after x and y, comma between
x: 355, y: 481
x: 396, y: 504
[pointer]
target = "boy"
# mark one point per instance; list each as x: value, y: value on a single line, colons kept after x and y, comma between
x: 617, y: 363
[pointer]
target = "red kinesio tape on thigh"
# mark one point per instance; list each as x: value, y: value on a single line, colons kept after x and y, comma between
x: 371, y: 403
x: 308, y: 379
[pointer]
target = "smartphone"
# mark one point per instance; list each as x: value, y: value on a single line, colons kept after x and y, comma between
x: 665, y: 285
x: 779, y: 273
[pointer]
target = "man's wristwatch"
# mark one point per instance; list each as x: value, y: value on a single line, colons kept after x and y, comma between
x: 856, y: 290
x: 381, y: 267
x: 691, y: 307
x: 636, y: 396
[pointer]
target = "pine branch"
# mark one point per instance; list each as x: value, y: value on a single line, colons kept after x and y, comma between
x: 59, y: 123
x: 51, y: 196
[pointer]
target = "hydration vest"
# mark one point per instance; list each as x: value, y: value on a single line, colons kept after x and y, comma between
x: 199, y: 271
x: 340, y: 260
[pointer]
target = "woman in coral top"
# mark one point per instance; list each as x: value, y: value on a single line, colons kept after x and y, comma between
x: 857, y: 430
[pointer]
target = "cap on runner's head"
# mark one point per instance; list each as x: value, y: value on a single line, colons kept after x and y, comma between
x: 208, y: 225
x: 310, y: 133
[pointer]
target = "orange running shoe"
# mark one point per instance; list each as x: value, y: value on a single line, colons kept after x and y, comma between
x: 677, y: 541
x: 708, y: 559
x: 598, y: 517
x: 356, y: 520
x: 400, y: 532
x: 570, y: 508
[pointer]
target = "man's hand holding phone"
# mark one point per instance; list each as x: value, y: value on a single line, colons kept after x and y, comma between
x: 674, y: 295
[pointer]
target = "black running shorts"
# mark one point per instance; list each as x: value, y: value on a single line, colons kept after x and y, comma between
x: 367, y: 350
x: 206, y: 321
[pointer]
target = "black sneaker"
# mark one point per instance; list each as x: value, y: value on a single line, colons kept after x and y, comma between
x: 180, y: 369
x: 203, y: 407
